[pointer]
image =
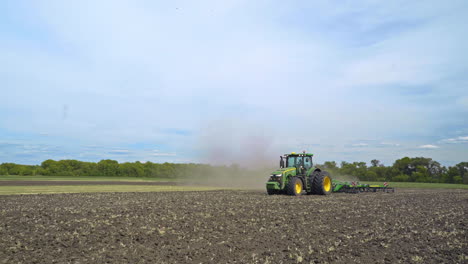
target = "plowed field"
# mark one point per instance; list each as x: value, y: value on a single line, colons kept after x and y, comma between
x: 411, y: 226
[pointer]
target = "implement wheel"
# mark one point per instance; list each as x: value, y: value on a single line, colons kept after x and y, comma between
x: 295, y: 186
x: 322, y: 183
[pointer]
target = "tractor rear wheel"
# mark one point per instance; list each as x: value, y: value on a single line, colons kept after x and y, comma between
x: 322, y: 183
x: 313, y: 176
x: 294, y: 186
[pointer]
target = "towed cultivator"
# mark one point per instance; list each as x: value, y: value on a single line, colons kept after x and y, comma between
x: 356, y: 187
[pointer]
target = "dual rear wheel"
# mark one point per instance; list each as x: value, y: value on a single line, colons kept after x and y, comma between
x: 321, y: 184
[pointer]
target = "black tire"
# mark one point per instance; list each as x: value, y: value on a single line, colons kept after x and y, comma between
x: 322, y: 183
x: 295, y: 186
x: 312, y: 176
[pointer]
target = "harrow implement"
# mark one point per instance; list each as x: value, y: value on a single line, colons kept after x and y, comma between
x: 356, y: 187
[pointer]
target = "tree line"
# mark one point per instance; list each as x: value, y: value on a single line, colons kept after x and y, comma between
x: 102, y: 168
x: 418, y: 169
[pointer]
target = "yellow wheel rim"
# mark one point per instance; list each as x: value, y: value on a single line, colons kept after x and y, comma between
x: 327, y: 184
x: 298, y: 187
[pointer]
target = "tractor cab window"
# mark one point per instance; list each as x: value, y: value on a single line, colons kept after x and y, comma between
x: 307, y: 162
x: 291, y: 162
x: 299, y: 161
x: 294, y: 161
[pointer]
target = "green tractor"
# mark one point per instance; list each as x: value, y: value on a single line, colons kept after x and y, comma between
x: 297, y: 173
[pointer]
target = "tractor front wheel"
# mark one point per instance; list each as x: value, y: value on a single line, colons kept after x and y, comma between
x: 322, y: 183
x: 295, y: 186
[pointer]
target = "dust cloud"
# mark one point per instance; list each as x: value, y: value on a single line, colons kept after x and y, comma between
x: 243, y: 154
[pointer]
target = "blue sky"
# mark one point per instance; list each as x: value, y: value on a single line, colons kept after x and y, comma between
x: 233, y: 81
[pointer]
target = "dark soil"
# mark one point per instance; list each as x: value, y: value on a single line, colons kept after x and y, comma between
x: 412, y: 226
x: 53, y: 183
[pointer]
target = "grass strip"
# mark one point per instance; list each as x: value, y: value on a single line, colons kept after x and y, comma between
x: 11, y: 190
x: 83, y: 178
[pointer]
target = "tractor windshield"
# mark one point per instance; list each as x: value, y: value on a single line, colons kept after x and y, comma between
x: 294, y: 161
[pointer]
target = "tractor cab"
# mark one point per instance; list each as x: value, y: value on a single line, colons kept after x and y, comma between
x: 302, y: 162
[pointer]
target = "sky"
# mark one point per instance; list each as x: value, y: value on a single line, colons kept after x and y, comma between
x: 233, y: 81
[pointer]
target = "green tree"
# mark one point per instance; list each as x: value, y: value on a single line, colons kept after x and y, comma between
x: 382, y: 173
x: 421, y: 174
x: 132, y: 169
x: 89, y: 169
x: 50, y: 167
x: 330, y: 165
x: 409, y: 166
x: 463, y: 169
x: 375, y: 163
x: 449, y: 176
x: 401, y: 178
x: 108, y: 168
x: 8, y: 168
x: 371, y: 176
x: 404, y: 166
x: 167, y: 170
x: 4, y: 169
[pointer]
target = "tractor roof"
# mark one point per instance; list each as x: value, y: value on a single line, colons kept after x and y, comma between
x: 299, y: 154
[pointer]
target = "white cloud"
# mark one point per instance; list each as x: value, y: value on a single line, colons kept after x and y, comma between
x: 120, y: 151
x: 389, y: 144
x: 428, y: 147
x: 164, y: 154
x: 457, y: 140
x: 360, y: 145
